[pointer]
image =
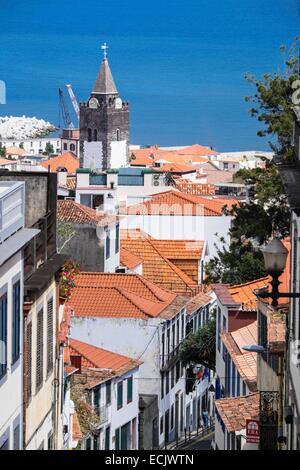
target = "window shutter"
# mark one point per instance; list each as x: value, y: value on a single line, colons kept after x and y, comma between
x: 129, y: 389
x: 50, y: 336
x: 120, y: 395
x: 29, y: 361
x: 39, y: 350
x: 16, y: 323
x: 3, y: 335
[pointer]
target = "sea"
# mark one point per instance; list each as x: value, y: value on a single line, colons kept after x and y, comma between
x: 180, y: 64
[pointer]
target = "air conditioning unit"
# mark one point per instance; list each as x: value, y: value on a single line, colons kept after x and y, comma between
x: 156, y: 177
x: 155, y: 183
x: 121, y: 270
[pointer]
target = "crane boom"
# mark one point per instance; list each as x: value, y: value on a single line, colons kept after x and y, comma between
x: 73, y: 99
x: 64, y: 109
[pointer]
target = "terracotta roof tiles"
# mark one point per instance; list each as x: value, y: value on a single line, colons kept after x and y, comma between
x: 176, y: 203
x: 171, y: 264
x: 235, y: 411
x: 67, y: 161
x: 118, y: 295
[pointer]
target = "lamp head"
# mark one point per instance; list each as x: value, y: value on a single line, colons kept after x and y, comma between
x: 275, y: 255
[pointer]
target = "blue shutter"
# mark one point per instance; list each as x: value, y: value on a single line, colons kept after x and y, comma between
x: 3, y: 335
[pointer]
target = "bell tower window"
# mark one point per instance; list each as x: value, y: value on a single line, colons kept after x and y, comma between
x: 95, y: 135
x: 118, y: 134
x: 89, y: 135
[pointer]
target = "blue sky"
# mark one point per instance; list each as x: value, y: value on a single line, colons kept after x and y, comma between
x: 181, y: 64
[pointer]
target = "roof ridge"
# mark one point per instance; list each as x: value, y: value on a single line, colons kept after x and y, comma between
x: 126, y: 293
x: 177, y: 270
x: 249, y: 282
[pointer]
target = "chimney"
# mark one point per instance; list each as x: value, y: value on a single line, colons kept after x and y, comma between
x: 76, y: 362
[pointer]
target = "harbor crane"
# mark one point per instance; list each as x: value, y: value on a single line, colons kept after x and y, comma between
x: 73, y: 99
x: 64, y: 110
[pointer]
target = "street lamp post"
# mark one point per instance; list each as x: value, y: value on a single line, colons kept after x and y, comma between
x: 275, y: 255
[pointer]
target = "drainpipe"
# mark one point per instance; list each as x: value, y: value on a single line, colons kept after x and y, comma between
x: 280, y: 404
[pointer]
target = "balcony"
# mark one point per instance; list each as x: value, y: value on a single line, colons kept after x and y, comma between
x: 11, y: 208
x: 168, y: 360
x: 102, y: 412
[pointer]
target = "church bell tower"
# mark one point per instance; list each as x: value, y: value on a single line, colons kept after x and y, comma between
x: 104, y: 124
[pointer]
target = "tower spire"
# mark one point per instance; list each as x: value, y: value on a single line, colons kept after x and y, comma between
x: 105, y: 84
x: 104, y: 47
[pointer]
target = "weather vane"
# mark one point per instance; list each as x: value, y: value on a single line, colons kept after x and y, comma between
x: 104, y: 47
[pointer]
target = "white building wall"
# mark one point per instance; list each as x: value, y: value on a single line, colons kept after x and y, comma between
x: 39, y: 412
x: 34, y: 146
x: 11, y: 385
x: 118, y: 156
x: 165, y: 227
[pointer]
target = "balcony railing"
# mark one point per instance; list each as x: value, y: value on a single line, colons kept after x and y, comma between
x: 11, y: 208
x: 102, y: 412
x: 168, y: 360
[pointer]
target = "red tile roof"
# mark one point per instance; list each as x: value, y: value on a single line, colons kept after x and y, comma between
x: 67, y: 161
x: 171, y: 264
x: 73, y: 212
x: 200, y: 300
x: 128, y: 259
x: 13, y: 150
x: 245, y: 361
x: 235, y: 411
x: 118, y: 295
x: 197, y: 189
x: 94, y: 357
x: 176, y: 203
x: 186, y: 155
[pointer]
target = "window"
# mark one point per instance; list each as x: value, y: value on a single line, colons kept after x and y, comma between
x: 95, y: 135
x: 233, y: 379
x: 177, y: 376
x: 167, y: 382
x: 3, y: 335
x: 129, y: 389
x: 89, y: 135
x: 17, y: 437
x: 182, y: 326
x: 72, y: 147
x: 168, y: 342
x: 238, y: 384
x: 161, y: 426
x: 16, y: 322
x: 97, y: 400
x: 177, y: 332
x: 29, y: 361
x: 162, y: 391
x: 219, y: 329
x: 172, y: 377
x: 108, y: 393
x: 117, y: 439
x: 120, y: 395
x: 39, y: 349
x: 107, y: 244
x: 244, y: 389
x: 163, y: 349
x: 49, y: 336
x: 117, y: 246
x: 118, y: 134
x: 173, y: 336
x: 65, y: 146
x: 172, y: 416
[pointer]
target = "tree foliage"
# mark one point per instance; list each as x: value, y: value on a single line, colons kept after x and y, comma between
x: 273, y: 104
x: 49, y: 148
x: 266, y: 212
x: 200, y: 347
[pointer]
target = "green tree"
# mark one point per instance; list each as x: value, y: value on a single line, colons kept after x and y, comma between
x: 273, y: 104
x: 200, y: 347
x: 2, y: 151
x: 49, y: 148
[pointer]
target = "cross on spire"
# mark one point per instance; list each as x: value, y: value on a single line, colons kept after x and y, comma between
x: 104, y: 47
